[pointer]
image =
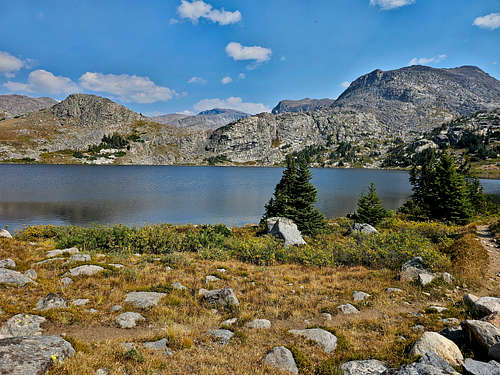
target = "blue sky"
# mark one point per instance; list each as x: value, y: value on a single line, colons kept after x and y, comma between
x: 165, y: 56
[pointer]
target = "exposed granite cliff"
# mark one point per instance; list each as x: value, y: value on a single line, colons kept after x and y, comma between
x: 206, y: 120
x: 16, y: 105
x: 303, y: 105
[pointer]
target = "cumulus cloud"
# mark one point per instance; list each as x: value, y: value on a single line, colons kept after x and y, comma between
x: 391, y: 4
x: 197, y: 80
x: 242, y: 76
x: 490, y: 21
x: 226, y: 80
x: 41, y: 81
x: 345, y: 84
x: 127, y: 88
x: 427, y: 60
x: 9, y: 64
x: 255, y: 53
x: 199, y: 9
x: 231, y: 103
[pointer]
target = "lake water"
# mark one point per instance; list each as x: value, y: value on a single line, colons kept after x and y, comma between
x: 135, y: 195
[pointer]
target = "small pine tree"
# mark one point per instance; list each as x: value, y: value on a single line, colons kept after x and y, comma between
x: 370, y: 209
x: 294, y: 198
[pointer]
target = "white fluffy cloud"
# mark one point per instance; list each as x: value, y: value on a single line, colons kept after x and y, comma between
x: 197, y: 80
x: 226, y: 80
x: 490, y: 21
x: 9, y: 64
x: 345, y: 84
x: 391, y: 4
x: 427, y: 60
x: 199, y: 9
x: 231, y: 103
x: 43, y: 82
x: 127, y: 88
x: 256, y: 53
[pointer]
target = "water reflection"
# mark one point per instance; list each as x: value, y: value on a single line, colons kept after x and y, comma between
x: 37, y: 194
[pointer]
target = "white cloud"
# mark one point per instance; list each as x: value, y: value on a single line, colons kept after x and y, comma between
x: 391, y: 4
x: 199, y: 9
x: 283, y: 58
x: 345, y: 84
x: 231, y: 103
x: 9, y: 64
x: 226, y: 80
x: 41, y: 81
x: 242, y: 76
x: 490, y: 21
x: 427, y: 60
x: 127, y: 88
x: 197, y: 80
x: 256, y: 53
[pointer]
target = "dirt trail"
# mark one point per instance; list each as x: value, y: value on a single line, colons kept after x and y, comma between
x: 492, y: 277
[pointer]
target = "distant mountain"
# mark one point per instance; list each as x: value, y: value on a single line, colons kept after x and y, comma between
x: 15, y: 105
x: 304, y: 105
x: 206, y: 120
x: 417, y: 98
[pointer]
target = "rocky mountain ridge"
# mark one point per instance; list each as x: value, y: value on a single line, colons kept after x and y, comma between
x: 16, y: 105
x: 303, y: 105
x: 211, y: 119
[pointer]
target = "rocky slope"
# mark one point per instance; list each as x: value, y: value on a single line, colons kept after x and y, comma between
x: 15, y: 105
x: 211, y: 119
x: 418, y: 98
x: 303, y: 105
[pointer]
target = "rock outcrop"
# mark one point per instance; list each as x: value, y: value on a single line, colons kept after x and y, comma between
x: 286, y: 230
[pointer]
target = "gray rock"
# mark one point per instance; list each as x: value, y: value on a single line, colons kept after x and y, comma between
x: 116, y: 265
x: 221, y: 270
x: 327, y: 316
x: 178, y: 286
x: 33, y: 355
x: 5, y: 234
x: 287, y: 230
x: 447, y: 278
x: 66, y: 281
x: 394, y: 290
x: 418, y: 328
x: 363, y: 228
x: 455, y: 334
x: 51, y: 301
x: 223, y: 336
x: 358, y: 296
x: 80, y: 301
x: 211, y: 279
x: 31, y: 274
x: 483, y: 306
x: 480, y: 335
x: 14, y: 278
x: 451, y: 321
x: 429, y: 364
x: 22, y: 325
x: 221, y: 297
x: 144, y: 300
x: 444, y: 348
x: 425, y: 278
x: 323, y: 338
x: 348, y: 309
x: 270, y: 223
x: 494, y: 352
x: 259, y: 324
x: 229, y: 322
x: 7, y: 263
x: 438, y: 309
x: 415, y: 270
x: 115, y: 308
x: 282, y: 359
x: 93, y: 311
x: 472, y: 367
x: 368, y: 367
x: 59, y: 252
x: 80, y: 258
x: 102, y: 371
x: 129, y: 319
x: 160, y: 345
x: 86, y: 270
x: 46, y: 261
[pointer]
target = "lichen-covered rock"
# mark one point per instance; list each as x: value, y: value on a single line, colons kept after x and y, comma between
x: 363, y: 228
x: 482, y: 306
x: 22, y: 325
x: 7, y: 263
x: 144, y: 300
x: 444, y: 348
x: 33, y: 355
x: 59, y: 252
x: 473, y: 367
x: 429, y: 364
x: 348, y: 309
x: 80, y: 301
x: 14, y: 278
x: 51, y: 301
x: 223, y: 336
x: 86, y: 270
x: 287, y: 230
x: 221, y: 297
x: 359, y: 296
x: 368, y: 367
x: 282, y: 359
x: 412, y: 269
x: 80, y: 258
x: 259, y: 324
x: 480, y: 335
x: 323, y: 338
x: 160, y: 345
x: 129, y: 319
x: 31, y: 274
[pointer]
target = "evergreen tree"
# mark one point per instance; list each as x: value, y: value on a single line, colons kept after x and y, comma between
x: 370, y: 209
x: 443, y: 191
x: 294, y: 198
